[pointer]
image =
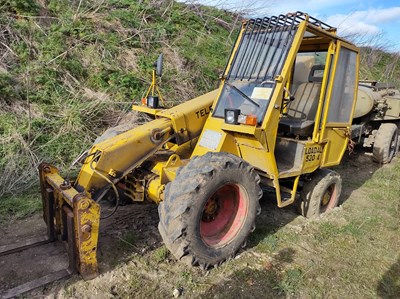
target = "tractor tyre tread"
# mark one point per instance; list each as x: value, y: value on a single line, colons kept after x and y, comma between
x: 382, y: 152
x: 184, y: 201
x: 314, y: 189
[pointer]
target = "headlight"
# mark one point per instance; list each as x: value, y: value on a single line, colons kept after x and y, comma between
x: 231, y: 116
x: 152, y: 102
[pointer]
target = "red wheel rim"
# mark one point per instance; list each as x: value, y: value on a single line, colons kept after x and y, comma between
x: 224, y: 215
x: 328, y: 198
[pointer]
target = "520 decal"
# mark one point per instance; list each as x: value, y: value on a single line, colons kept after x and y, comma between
x: 313, y: 153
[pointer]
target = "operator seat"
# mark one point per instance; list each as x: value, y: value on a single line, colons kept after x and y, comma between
x: 301, y: 112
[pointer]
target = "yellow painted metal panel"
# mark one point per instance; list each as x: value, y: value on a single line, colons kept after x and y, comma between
x: 336, y: 146
x: 145, y: 109
x: 114, y: 158
x: 239, y: 128
x: 312, y: 158
x: 188, y: 118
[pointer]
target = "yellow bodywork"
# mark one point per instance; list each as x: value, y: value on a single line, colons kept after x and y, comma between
x: 76, y: 218
x: 114, y: 158
x: 174, y: 130
x: 146, y: 158
x: 256, y: 144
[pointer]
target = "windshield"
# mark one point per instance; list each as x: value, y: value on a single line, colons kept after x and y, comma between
x: 251, y: 98
x: 258, y: 60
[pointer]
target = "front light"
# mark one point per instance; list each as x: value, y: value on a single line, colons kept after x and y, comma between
x: 231, y: 116
x: 152, y: 102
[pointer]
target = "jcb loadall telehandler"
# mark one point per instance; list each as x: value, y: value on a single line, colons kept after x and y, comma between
x: 281, y: 115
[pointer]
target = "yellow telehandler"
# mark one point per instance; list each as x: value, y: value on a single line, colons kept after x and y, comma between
x: 281, y: 115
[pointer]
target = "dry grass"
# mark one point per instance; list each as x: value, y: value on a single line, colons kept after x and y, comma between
x: 350, y: 253
x: 67, y: 70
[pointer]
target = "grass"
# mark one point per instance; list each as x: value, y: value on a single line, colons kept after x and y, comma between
x: 19, y: 206
x: 66, y: 65
x: 160, y: 254
x: 356, y: 250
x: 291, y: 281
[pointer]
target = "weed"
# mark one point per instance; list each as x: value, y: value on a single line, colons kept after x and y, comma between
x: 135, y: 282
x: 160, y: 254
x: 269, y: 243
x: 291, y: 281
x: 128, y: 240
x: 187, y: 277
x: 326, y: 231
x: 23, y: 7
x: 18, y: 206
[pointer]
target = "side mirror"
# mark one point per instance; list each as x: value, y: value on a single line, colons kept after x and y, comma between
x: 158, y: 65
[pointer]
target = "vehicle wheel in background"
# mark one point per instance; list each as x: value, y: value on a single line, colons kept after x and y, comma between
x: 386, y: 143
x: 321, y: 193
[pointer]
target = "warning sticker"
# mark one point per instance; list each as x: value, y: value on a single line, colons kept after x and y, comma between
x: 210, y: 139
x: 261, y: 93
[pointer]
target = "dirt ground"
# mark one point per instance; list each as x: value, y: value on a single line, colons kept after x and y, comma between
x: 132, y: 230
x: 134, y: 264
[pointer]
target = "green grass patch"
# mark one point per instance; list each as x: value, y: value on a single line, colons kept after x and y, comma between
x: 160, y: 254
x: 18, y: 206
x: 67, y: 71
x: 291, y: 281
x: 385, y: 183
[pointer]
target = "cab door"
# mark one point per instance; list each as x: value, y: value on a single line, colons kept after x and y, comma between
x: 340, y: 102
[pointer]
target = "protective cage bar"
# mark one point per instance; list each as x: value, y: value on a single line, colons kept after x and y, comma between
x: 262, y: 49
x: 265, y: 44
x: 301, y: 16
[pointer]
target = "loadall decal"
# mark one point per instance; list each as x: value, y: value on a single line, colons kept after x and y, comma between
x: 313, y: 153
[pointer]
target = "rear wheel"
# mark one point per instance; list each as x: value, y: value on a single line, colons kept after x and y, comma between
x: 321, y: 193
x: 386, y: 143
x: 209, y: 209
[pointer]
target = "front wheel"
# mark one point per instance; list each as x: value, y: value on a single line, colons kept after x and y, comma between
x: 210, y: 209
x: 320, y: 193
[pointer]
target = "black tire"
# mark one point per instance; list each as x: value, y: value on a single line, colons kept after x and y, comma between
x: 386, y: 143
x: 321, y: 193
x: 210, y: 209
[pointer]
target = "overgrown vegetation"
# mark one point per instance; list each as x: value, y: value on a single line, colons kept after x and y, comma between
x: 377, y: 64
x: 69, y: 69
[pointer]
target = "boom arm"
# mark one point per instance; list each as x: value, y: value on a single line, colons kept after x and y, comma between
x: 111, y: 160
x: 72, y: 213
